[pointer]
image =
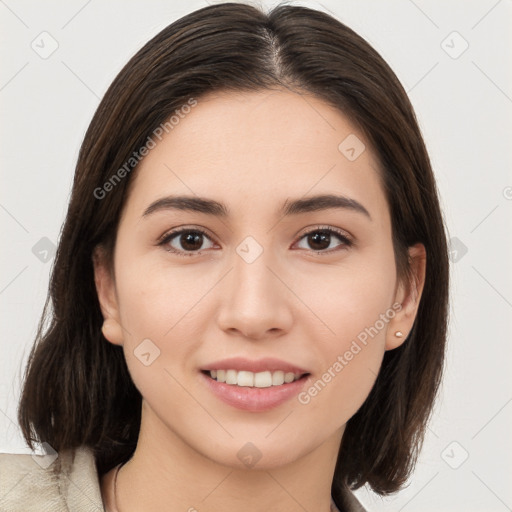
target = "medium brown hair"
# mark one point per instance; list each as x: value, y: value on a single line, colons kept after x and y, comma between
x: 77, y: 389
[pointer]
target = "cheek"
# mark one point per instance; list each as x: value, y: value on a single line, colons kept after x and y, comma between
x: 159, y: 320
x: 338, y: 393
x: 348, y: 296
x: 154, y: 299
x: 354, y: 303
x: 351, y: 358
x: 159, y: 311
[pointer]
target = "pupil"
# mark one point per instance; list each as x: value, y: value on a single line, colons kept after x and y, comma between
x: 320, y: 237
x: 190, y: 239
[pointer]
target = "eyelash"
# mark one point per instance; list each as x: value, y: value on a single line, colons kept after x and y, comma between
x: 167, y: 237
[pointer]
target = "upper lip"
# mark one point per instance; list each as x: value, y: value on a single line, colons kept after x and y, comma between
x: 257, y: 365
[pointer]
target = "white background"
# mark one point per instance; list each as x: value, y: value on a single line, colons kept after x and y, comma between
x: 464, y: 106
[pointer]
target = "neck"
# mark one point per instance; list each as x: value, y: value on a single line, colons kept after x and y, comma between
x: 165, y: 473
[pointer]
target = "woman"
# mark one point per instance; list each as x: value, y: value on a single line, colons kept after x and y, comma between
x: 249, y: 297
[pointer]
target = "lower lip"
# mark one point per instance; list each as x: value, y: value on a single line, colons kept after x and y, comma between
x: 254, y: 399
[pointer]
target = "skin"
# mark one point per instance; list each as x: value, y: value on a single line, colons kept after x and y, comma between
x: 251, y: 151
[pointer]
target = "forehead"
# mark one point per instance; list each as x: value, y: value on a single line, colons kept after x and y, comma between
x: 251, y: 148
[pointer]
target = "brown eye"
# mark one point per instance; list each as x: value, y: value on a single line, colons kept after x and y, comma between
x: 191, y: 241
x: 185, y: 242
x: 320, y: 239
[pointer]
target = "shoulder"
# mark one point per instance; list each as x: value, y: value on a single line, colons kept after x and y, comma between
x: 65, y: 481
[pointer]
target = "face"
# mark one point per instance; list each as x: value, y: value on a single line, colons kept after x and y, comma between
x: 268, y: 291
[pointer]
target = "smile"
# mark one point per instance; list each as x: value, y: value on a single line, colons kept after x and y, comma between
x: 263, y: 379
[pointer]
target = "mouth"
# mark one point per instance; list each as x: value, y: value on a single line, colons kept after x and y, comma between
x: 244, y: 378
x: 254, y: 386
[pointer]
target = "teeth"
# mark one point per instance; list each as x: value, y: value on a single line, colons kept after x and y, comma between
x: 289, y: 377
x: 258, y: 380
x: 245, y: 379
x: 262, y: 380
x: 277, y: 378
x: 231, y: 376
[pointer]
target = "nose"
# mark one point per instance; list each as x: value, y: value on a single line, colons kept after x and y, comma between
x: 256, y: 301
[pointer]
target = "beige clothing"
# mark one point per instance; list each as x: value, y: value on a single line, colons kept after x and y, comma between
x: 69, y: 483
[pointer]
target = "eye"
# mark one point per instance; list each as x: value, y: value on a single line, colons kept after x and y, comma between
x: 321, y: 237
x: 189, y: 239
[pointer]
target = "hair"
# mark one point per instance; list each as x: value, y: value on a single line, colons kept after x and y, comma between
x: 77, y: 389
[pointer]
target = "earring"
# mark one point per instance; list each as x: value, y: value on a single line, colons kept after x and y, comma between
x: 399, y: 334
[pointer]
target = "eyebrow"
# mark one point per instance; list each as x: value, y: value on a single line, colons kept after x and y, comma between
x: 289, y: 207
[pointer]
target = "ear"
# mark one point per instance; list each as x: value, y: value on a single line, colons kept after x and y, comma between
x: 408, y: 295
x: 107, y: 297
